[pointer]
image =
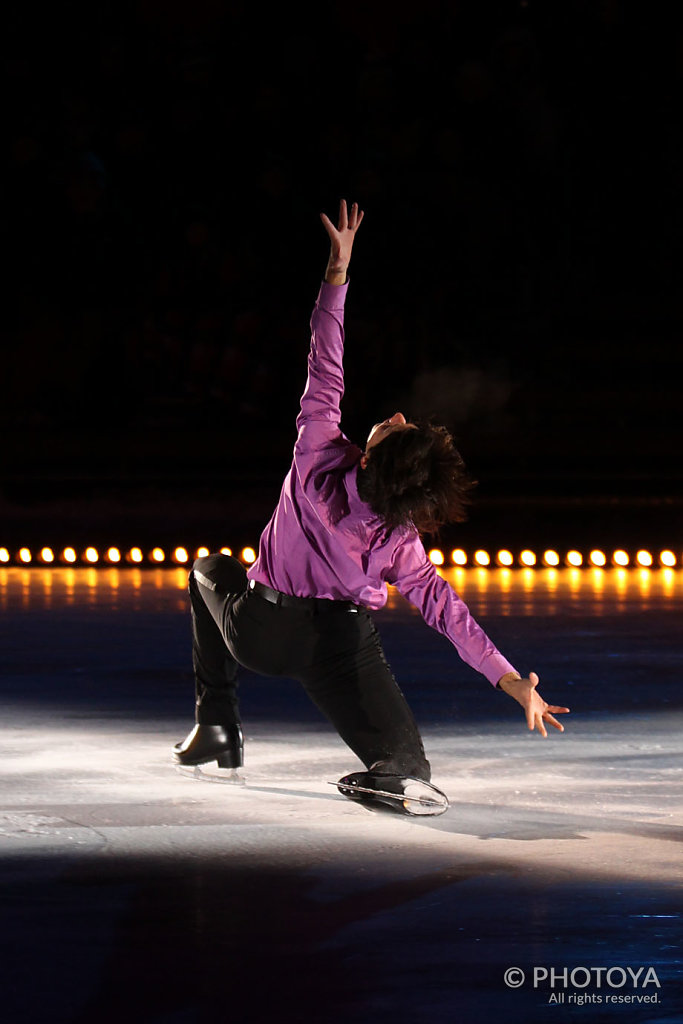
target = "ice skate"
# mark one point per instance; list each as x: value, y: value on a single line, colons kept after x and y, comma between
x: 223, y: 744
x: 402, y: 793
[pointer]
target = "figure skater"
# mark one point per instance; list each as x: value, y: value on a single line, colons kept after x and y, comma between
x: 348, y: 522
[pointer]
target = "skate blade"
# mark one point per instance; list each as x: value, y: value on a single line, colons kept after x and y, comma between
x: 413, y: 802
x: 211, y: 773
x: 416, y: 804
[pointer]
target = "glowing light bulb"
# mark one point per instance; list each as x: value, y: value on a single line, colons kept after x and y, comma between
x: 158, y: 555
x: 551, y: 558
x: 4, y: 555
x: 597, y: 558
x: 504, y: 557
x: 436, y: 557
x: 248, y: 555
x: 667, y: 558
x: 135, y: 555
x: 181, y: 555
x: 459, y: 557
x: 114, y: 555
x: 226, y: 551
x: 92, y: 555
x: 482, y: 557
x: 25, y: 555
x: 202, y: 552
x: 69, y: 555
x: 527, y: 557
x: 620, y: 558
x: 574, y: 558
x: 47, y: 555
x: 644, y: 558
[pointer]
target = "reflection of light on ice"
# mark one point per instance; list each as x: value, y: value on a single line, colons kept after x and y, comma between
x: 621, y: 580
x: 500, y: 591
x: 505, y: 584
x: 598, y: 583
x: 668, y: 581
x: 644, y: 581
x: 551, y: 591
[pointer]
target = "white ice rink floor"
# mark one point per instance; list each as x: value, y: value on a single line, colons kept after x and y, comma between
x: 550, y: 890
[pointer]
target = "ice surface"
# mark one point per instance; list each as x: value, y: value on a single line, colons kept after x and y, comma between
x: 132, y: 891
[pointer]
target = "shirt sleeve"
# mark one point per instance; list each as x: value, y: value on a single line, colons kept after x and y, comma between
x: 321, y: 401
x: 416, y: 578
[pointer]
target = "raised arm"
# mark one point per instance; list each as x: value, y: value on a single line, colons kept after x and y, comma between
x: 341, y: 241
x: 318, y: 421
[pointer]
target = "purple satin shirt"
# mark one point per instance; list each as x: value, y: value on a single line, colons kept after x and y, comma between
x: 323, y: 541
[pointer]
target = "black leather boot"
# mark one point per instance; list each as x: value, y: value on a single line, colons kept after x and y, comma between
x: 221, y: 743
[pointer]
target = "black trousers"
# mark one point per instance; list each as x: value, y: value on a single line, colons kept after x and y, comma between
x: 334, y: 652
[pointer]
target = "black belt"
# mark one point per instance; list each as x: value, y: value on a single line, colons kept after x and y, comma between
x: 310, y: 604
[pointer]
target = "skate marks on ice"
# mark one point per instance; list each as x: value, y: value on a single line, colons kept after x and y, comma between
x: 30, y: 829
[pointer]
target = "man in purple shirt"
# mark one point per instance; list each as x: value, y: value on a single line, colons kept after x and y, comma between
x: 347, y: 524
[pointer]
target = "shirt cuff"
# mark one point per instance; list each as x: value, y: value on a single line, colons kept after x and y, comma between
x: 331, y: 297
x: 495, y: 667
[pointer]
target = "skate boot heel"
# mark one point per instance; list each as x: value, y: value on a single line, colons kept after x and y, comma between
x: 231, y: 759
x: 221, y: 743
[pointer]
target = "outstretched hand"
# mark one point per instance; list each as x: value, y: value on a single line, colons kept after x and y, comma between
x: 341, y: 241
x: 537, y: 711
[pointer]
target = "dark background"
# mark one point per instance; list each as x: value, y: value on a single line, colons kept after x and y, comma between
x: 517, y: 274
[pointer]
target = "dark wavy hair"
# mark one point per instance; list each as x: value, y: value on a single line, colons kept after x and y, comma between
x: 416, y: 476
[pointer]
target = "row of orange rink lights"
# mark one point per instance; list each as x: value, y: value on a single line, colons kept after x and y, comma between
x: 114, y: 556
x: 553, y: 559
x: 481, y: 558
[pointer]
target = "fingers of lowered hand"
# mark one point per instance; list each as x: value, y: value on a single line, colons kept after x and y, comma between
x: 557, y: 710
x: 551, y: 710
x: 554, y: 722
x: 534, y: 717
x: 547, y: 715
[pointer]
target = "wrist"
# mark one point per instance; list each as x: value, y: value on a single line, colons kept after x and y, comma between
x: 509, y: 677
x: 335, y: 276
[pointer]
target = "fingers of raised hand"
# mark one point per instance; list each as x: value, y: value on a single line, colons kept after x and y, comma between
x: 355, y: 218
x: 349, y: 221
x: 329, y: 226
x: 343, y: 215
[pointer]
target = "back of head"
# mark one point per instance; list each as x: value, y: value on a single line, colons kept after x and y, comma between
x: 416, y: 476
